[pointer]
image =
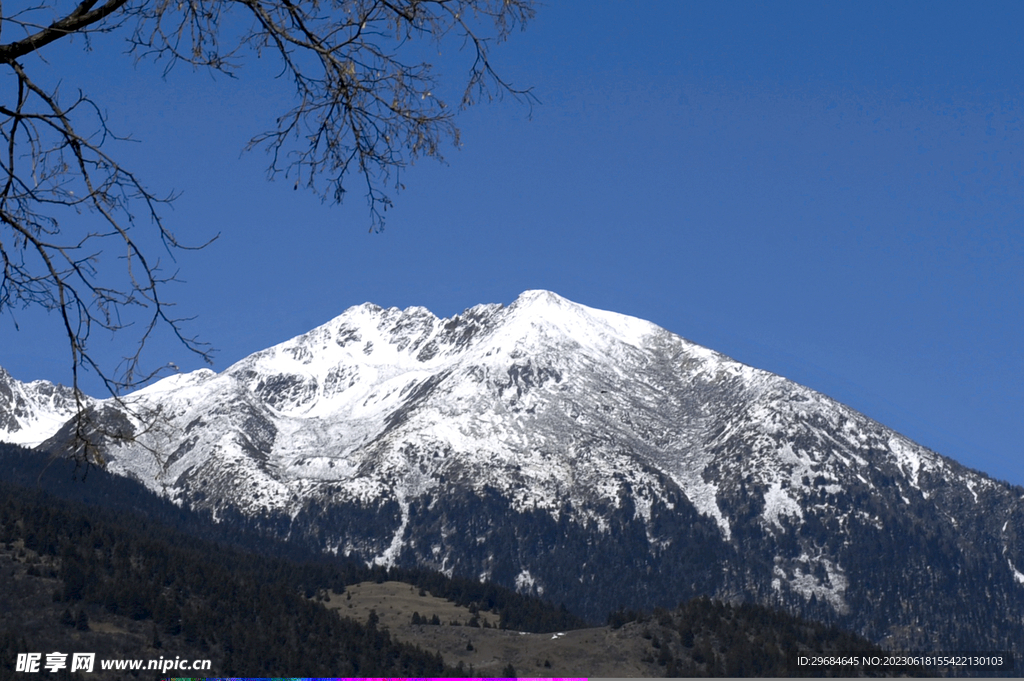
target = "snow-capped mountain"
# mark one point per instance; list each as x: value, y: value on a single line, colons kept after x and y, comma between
x: 588, y: 456
x: 32, y: 412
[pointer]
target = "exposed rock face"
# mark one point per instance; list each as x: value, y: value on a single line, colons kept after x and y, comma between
x: 590, y: 457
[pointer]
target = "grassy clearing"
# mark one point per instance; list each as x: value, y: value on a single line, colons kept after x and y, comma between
x: 596, y: 651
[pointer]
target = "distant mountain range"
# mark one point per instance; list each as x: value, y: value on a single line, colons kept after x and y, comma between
x: 589, y: 457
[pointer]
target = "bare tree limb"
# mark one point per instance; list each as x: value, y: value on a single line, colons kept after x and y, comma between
x: 79, y: 19
x: 363, y: 105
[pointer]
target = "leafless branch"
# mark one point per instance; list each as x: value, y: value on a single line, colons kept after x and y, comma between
x: 52, y: 173
x: 363, y: 106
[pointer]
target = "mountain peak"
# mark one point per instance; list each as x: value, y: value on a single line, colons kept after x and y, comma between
x: 540, y: 296
x: 545, y: 316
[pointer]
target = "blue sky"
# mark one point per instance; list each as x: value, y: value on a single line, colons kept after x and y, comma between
x: 830, y: 191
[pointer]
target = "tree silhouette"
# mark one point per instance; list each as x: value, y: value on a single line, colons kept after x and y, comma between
x: 364, y: 108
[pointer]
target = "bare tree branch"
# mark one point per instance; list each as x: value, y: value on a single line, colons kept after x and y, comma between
x: 79, y: 19
x: 363, y: 105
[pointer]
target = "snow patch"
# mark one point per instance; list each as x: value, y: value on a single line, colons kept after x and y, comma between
x: 390, y: 555
x: 832, y: 589
x: 704, y: 496
x: 526, y: 583
x: 1017, y: 574
x: 778, y: 503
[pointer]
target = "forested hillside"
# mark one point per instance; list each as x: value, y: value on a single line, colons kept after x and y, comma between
x: 204, y: 590
x: 129, y: 575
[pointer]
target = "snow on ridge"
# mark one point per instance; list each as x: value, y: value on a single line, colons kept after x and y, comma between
x: 174, y: 382
x: 912, y: 458
x: 371, y: 346
x: 908, y: 459
x: 382, y: 343
x: 586, y: 325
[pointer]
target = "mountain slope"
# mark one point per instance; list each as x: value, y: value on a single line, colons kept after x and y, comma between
x: 590, y: 457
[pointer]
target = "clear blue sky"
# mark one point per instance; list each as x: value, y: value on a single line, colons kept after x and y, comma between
x: 830, y: 191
